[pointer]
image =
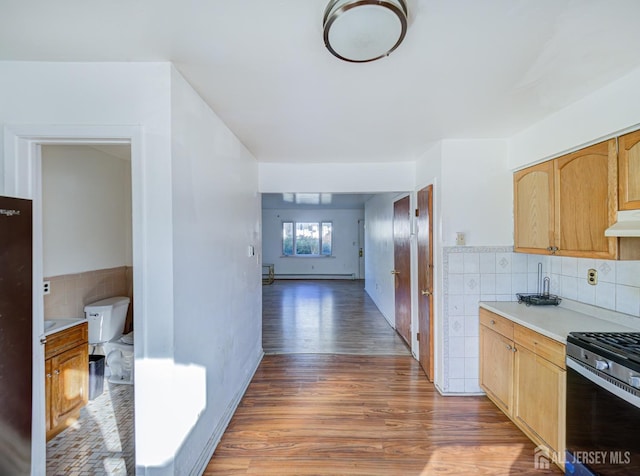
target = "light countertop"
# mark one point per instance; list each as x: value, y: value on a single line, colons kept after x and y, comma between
x: 61, y: 324
x: 556, y: 322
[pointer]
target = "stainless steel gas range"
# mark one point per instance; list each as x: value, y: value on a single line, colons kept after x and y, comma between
x: 603, y: 403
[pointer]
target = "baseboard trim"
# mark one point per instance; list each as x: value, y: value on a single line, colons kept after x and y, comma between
x: 207, y: 453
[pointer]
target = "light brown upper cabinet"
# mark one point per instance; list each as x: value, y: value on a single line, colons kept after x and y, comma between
x: 586, y: 201
x: 629, y: 171
x: 533, y: 195
x: 563, y: 206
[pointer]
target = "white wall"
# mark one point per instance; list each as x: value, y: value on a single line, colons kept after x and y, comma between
x: 63, y: 94
x: 217, y: 286
x: 605, y: 113
x: 86, y: 197
x: 336, y: 177
x: 344, y: 259
x: 477, y: 192
x: 379, y: 282
x: 222, y: 294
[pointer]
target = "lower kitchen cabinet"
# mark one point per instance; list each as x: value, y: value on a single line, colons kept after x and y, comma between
x: 496, y: 378
x: 523, y: 373
x: 539, y: 409
x: 66, y: 377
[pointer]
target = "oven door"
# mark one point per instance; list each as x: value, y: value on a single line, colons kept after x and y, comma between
x: 603, y: 426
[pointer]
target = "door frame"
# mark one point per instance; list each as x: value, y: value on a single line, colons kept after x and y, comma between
x: 22, y: 178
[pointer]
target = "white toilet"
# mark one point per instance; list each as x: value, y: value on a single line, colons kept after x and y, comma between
x: 106, y: 320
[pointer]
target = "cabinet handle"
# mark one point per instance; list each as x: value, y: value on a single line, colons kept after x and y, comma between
x: 56, y: 372
x: 509, y: 347
x: 493, y: 323
x: 513, y: 349
x: 48, y: 375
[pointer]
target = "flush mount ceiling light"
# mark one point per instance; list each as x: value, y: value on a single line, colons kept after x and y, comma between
x: 364, y: 30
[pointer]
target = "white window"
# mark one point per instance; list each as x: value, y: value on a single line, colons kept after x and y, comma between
x: 307, y: 238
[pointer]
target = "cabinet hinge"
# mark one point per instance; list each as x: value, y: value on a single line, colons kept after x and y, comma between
x: 417, y: 212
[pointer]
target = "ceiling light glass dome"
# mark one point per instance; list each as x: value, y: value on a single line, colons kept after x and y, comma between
x: 364, y: 30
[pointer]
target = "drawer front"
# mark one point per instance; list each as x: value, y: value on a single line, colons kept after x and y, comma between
x: 498, y: 323
x: 66, y: 339
x: 540, y: 345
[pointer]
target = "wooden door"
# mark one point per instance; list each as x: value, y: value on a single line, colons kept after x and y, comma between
x: 402, y: 267
x: 533, y: 208
x: 586, y: 201
x: 629, y: 171
x: 425, y: 279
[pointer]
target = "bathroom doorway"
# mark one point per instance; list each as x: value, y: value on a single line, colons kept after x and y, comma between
x: 87, y: 256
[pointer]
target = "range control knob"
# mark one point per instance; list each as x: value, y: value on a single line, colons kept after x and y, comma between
x: 602, y: 364
x: 634, y: 381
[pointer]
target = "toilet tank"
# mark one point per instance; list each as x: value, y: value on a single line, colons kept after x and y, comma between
x: 106, y: 318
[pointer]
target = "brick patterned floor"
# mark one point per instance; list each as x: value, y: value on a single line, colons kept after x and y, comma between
x: 101, y: 442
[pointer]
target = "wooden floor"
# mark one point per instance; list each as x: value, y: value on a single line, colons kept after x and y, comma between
x: 337, y: 414
x: 325, y: 317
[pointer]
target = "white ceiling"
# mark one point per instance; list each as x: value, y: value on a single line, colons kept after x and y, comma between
x: 467, y: 68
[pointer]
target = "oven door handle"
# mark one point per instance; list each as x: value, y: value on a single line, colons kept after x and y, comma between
x: 608, y: 386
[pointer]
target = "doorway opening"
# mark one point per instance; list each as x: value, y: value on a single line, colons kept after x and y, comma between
x: 87, y: 257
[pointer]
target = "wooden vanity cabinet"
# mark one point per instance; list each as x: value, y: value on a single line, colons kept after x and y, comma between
x: 66, y: 377
x: 563, y: 206
x: 524, y: 374
x: 629, y: 171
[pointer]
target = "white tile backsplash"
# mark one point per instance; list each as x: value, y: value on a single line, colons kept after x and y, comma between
x: 627, y: 299
x: 627, y: 273
x: 569, y: 266
x: 487, y: 263
x: 606, y: 295
x: 606, y: 271
x: 496, y: 273
x: 471, y: 263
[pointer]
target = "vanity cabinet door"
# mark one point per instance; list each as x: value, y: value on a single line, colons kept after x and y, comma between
x: 69, y: 383
x: 629, y: 171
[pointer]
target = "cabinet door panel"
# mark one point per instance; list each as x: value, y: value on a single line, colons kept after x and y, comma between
x: 585, y: 204
x: 70, y: 383
x: 533, y: 194
x: 629, y: 171
x: 496, y: 369
x: 540, y: 398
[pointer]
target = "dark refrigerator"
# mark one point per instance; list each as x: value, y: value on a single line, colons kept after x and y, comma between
x: 16, y: 304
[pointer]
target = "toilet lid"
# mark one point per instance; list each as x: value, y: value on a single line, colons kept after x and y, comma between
x: 127, y: 338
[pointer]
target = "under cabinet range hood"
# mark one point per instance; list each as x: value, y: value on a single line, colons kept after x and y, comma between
x: 628, y: 224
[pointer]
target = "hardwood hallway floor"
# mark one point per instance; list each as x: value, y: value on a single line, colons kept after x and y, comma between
x: 325, y: 317
x: 315, y: 412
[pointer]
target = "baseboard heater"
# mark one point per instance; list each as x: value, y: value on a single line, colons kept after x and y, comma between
x: 316, y: 276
